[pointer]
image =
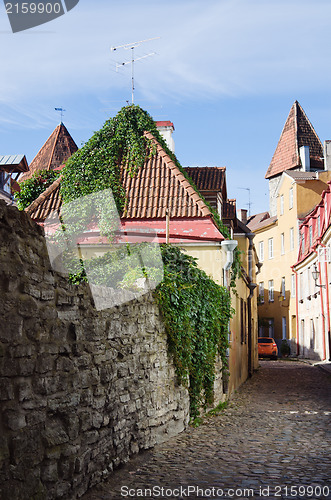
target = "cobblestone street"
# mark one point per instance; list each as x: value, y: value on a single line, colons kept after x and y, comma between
x: 272, y: 441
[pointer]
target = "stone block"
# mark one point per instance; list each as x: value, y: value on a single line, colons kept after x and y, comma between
x: 49, y: 472
x: 14, y: 420
x: 6, y: 389
x: 54, y: 434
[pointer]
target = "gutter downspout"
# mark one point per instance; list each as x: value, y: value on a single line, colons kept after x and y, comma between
x: 229, y: 246
x: 296, y: 309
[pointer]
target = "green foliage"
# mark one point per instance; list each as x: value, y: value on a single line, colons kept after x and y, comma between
x: 97, y: 165
x: 119, y: 268
x: 33, y: 187
x: 196, y: 312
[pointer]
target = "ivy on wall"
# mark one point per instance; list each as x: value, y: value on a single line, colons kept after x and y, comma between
x: 33, y: 187
x: 196, y: 312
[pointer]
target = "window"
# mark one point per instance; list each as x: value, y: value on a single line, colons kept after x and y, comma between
x: 303, y: 242
x: 318, y: 226
x: 243, y: 321
x: 283, y: 290
x: 291, y: 198
x: 271, y: 248
x: 281, y: 203
x: 4, y: 186
x: 261, y: 251
x: 293, y: 285
x: 292, y: 238
x: 282, y: 244
x: 271, y: 290
x: 301, y: 287
x: 284, y: 327
x: 261, y: 292
x: 310, y: 235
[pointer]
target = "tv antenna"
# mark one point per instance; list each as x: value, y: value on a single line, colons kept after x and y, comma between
x: 132, y: 46
x: 249, y: 200
x: 61, y: 111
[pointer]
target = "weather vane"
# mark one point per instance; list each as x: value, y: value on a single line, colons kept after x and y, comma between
x: 132, y: 46
x: 61, y: 110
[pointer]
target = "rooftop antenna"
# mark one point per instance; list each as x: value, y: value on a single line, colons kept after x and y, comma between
x: 61, y: 111
x: 249, y: 200
x: 132, y: 46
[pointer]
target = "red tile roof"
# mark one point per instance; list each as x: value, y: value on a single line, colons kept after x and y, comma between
x: 56, y: 151
x: 207, y: 178
x: 259, y: 221
x: 157, y: 187
x: 297, y: 132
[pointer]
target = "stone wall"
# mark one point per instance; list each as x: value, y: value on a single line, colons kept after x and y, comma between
x: 80, y: 390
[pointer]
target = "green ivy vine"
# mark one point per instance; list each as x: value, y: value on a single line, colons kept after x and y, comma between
x: 33, y: 187
x: 196, y: 312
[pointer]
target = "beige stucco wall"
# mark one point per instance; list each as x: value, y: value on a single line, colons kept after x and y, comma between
x: 305, y: 196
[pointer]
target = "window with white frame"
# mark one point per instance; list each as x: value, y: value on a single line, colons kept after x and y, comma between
x: 271, y: 290
x: 282, y: 244
x: 318, y: 226
x: 293, y: 285
x: 271, y: 248
x: 292, y: 238
x: 291, y: 198
x: 261, y: 292
x: 261, y: 251
x: 310, y: 236
x: 281, y: 204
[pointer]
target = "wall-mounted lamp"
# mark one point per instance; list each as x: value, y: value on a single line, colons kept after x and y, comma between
x: 315, y: 274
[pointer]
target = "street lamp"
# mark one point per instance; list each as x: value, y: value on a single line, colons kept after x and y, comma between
x: 315, y: 274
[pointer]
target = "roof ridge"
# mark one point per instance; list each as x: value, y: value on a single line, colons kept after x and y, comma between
x: 53, y: 149
x: 43, y: 195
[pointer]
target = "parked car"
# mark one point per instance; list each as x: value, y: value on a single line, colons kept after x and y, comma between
x: 267, y: 348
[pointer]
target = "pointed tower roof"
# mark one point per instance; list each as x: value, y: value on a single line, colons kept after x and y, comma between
x: 54, y: 153
x: 297, y: 132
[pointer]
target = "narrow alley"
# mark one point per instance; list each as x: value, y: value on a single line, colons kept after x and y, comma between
x: 272, y: 441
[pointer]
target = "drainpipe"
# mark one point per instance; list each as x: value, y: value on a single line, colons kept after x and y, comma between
x: 229, y: 246
x: 296, y: 308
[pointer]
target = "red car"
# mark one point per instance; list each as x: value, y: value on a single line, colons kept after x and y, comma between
x: 267, y: 348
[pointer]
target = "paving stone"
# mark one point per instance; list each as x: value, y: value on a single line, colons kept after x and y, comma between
x: 274, y: 433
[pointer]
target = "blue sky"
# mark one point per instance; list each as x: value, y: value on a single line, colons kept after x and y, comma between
x: 225, y: 72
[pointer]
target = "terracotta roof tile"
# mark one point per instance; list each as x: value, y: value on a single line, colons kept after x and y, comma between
x: 297, y: 132
x: 157, y: 187
x: 56, y: 151
x: 259, y: 221
x: 207, y: 178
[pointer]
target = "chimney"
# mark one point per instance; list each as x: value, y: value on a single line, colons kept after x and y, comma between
x: 305, y: 158
x: 242, y: 215
x: 166, y: 129
x: 327, y: 155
